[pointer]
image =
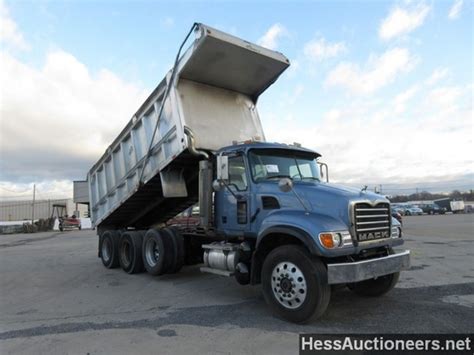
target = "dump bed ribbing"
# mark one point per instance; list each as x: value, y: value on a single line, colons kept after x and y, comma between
x: 149, y: 173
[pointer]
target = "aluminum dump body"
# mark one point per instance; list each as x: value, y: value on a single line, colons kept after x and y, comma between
x: 212, y: 99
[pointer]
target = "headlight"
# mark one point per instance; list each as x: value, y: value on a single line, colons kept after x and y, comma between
x: 396, y: 232
x: 332, y: 240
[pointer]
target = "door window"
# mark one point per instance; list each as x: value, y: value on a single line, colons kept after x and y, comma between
x: 237, y: 175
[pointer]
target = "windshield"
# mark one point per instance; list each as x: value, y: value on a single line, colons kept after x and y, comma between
x: 268, y: 164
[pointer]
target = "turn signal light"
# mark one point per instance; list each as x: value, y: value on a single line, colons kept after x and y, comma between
x: 326, y: 240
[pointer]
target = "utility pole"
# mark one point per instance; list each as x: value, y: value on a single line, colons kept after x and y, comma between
x: 33, y: 206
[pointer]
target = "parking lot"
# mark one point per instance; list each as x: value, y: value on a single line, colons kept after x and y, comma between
x: 56, y: 297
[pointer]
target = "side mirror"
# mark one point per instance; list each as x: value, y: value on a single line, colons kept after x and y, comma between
x: 325, y: 166
x: 285, y: 185
x: 222, y: 167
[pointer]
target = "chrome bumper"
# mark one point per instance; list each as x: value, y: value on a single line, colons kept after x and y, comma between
x: 368, y: 269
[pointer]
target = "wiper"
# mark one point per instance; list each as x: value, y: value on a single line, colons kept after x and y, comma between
x: 310, y: 177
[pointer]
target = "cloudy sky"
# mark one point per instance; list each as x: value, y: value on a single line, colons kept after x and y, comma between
x: 383, y: 90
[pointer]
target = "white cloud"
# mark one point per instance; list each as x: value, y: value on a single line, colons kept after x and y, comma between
x: 295, y: 95
x: 401, y: 100
x: 51, y: 189
x: 445, y: 98
x: 272, y: 36
x: 437, y: 75
x: 377, y: 73
x: 167, y: 22
x: 319, y: 49
x: 294, y: 68
x: 401, y: 21
x: 365, y: 141
x: 57, y: 120
x: 9, y: 33
x: 455, y: 10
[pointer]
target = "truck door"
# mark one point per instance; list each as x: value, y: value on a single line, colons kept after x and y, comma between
x: 233, y: 207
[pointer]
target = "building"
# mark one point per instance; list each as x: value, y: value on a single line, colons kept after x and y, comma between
x: 23, y: 210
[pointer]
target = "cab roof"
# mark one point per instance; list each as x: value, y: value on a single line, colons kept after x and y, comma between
x: 245, y: 147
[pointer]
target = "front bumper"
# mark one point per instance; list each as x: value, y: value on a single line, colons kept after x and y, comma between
x: 368, y: 269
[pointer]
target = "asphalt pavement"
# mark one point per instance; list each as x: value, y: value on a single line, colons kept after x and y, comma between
x: 56, y: 298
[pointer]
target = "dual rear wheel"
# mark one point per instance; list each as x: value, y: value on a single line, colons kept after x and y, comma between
x: 156, y: 251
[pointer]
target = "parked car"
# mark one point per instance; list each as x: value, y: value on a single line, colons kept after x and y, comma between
x: 399, y: 209
x: 432, y: 208
x: 397, y: 216
x: 413, y: 211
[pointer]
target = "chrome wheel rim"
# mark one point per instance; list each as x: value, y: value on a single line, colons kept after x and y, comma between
x: 152, y: 253
x: 288, y: 285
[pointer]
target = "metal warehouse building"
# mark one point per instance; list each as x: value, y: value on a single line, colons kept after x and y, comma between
x: 23, y: 210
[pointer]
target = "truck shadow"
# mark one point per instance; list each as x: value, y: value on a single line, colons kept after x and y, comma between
x: 404, y: 310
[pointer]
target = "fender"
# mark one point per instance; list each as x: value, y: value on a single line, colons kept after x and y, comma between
x: 292, y: 231
x: 303, y: 226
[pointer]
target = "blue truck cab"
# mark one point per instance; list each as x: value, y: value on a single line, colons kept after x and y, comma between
x: 272, y: 197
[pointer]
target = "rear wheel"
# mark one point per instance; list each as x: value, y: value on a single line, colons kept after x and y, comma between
x: 130, y: 252
x: 294, y: 284
x: 109, y: 249
x: 156, y: 252
x: 176, y: 240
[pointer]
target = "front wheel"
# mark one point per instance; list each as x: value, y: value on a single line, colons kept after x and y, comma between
x: 295, y: 284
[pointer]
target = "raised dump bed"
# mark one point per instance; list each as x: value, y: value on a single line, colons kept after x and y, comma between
x: 150, y: 172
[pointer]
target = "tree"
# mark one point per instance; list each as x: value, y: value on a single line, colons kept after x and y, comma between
x: 456, y: 194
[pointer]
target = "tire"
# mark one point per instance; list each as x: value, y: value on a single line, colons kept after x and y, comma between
x: 156, y: 253
x: 375, y: 287
x: 308, y: 298
x: 177, y: 242
x: 108, y: 246
x: 130, y: 252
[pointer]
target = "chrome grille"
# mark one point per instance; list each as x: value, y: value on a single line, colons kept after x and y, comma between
x: 372, y: 222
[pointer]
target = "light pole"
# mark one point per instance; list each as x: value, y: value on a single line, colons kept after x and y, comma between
x: 33, y: 206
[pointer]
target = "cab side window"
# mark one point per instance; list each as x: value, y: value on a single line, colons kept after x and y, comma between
x: 237, y: 175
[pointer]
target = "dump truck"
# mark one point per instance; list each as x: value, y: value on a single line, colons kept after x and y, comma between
x: 267, y: 212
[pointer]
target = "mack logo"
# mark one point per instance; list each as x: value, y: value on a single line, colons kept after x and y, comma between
x: 374, y: 235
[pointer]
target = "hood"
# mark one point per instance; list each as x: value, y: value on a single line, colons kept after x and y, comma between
x: 332, y: 199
